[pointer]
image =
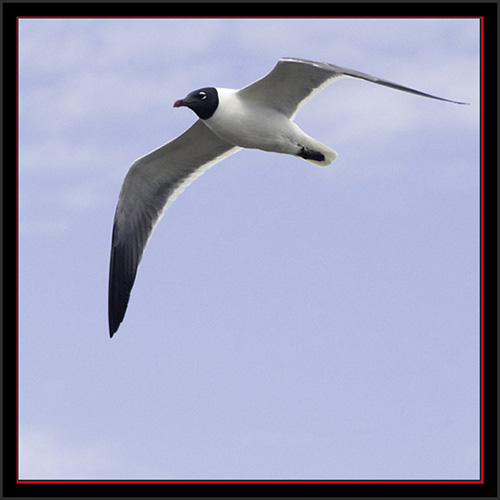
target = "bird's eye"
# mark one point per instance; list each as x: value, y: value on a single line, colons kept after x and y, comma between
x: 202, y: 95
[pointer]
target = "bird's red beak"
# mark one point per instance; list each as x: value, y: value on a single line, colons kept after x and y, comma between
x: 179, y: 103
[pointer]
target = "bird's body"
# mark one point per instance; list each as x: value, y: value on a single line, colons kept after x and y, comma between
x: 239, y: 121
x: 258, y: 116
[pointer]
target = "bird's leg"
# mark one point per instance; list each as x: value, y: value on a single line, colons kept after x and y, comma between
x: 309, y: 154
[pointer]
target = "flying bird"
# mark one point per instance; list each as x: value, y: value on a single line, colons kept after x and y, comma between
x: 258, y: 116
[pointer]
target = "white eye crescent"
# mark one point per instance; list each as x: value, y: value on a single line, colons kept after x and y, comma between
x: 202, y: 95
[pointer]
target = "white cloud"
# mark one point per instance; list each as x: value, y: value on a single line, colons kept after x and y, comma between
x: 55, y: 154
x: 46, y: 228
x: 47, y: 454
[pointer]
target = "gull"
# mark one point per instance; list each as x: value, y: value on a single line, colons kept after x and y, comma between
x: 258, y: 116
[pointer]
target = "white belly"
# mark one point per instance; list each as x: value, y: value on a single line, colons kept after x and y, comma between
x: 251, y: 126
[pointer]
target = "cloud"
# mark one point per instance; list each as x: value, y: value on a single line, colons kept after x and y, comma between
x: 48, y: 454
x: 45, y: 228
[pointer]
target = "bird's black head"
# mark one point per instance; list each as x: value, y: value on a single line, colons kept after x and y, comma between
x: 203, y: 102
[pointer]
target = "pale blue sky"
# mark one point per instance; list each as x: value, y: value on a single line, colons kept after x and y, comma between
x: 287, y: 321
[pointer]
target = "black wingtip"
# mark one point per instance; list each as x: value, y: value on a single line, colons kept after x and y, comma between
x: 117, y: 307
x: 112, y: 331
x: 116, y: 313
x: 121, y: 281
x: 114, y: 323
x: 450, y: 100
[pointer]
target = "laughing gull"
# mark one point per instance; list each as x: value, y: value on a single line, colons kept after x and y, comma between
x: 259, y: 116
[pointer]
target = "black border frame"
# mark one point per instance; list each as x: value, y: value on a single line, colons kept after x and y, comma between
x: 487, y: 486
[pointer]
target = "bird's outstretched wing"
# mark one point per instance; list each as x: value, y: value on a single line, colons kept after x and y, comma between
x: 150, y: 185
x: 293, y: 82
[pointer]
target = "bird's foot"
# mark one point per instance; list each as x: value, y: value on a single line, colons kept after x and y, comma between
x: 309, y: 154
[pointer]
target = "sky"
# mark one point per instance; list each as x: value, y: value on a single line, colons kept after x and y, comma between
x: 287, y: 321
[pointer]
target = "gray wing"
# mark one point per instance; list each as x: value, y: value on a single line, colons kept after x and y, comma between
x: 293, y: 82
x: 151, y: 184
